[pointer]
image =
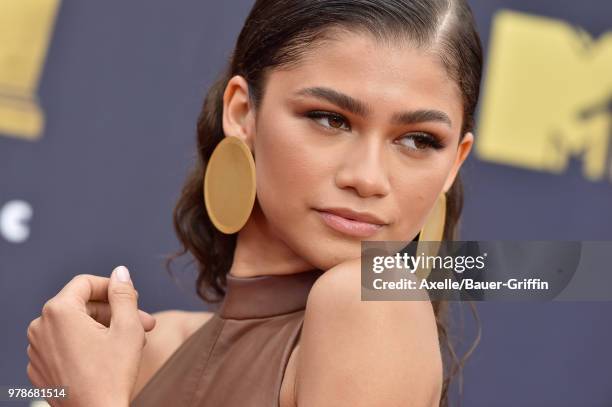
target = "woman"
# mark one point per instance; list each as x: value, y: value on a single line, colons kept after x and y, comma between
x: 350, y: 120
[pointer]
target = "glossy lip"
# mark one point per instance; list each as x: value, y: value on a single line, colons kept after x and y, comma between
x: 350, y: 214
x: 347, y: 221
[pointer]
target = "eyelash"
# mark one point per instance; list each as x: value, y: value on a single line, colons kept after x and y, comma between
x: 430, y: 140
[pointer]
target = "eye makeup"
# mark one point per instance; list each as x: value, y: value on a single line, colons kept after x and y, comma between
x: 336, y: 122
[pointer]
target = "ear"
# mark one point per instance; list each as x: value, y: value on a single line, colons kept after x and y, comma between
x: 238, y: 114
x: 463, y: 150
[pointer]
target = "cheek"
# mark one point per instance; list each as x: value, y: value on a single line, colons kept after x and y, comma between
x: 416, y: 191
x: 288, y: 170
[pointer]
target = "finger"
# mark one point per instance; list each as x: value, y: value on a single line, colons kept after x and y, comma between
x: 35, y: 375
x: 123, y: 301
x: 84, y: 288
x: 33, y: 355
x: 147, y: 320
x: 30, y: 351
x: 101, y: 312
x: 32, y: 328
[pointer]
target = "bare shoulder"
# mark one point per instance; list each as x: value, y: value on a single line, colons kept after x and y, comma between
x: 172, y: 328
x: 363, y: 353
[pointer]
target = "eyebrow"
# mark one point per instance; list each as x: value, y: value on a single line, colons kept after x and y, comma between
x: 360, y: 108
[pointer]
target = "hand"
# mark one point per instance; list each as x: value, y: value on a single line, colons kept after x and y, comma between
x: 91, y: 347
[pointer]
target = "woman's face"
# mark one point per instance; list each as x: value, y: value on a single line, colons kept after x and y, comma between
x: 355, y: 125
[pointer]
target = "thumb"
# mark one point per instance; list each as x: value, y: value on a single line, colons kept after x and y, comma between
x: 123, y: 301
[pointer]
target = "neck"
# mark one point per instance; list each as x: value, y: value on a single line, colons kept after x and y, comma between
x: 259, y: 251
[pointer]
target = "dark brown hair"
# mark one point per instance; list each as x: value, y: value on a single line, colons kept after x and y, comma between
x: 277, y: 34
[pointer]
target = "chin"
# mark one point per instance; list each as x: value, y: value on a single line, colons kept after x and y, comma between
x: 323, y: 247
x: 325, y: 255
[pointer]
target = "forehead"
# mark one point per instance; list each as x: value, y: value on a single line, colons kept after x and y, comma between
x: 392, y: 75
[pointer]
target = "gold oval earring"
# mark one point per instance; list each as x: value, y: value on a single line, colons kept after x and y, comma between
x: 433, y: 229
x: 432, y: 232
x: 229, y: 185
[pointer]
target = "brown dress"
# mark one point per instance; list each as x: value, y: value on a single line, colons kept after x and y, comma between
x: 238, y: 357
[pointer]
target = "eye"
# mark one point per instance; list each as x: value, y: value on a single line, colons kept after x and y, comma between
x: 420, y: 141
x: 332, y: 121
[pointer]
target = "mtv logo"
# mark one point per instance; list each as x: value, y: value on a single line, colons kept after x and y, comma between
x: 547, y: 97
x: 25, y: 29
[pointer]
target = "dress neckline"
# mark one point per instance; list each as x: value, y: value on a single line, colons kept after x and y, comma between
x: 266, y: 295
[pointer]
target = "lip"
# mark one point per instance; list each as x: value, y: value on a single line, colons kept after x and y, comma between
x: 347, y: 221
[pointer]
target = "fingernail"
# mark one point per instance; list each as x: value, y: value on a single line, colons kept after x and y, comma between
x: 122, y: 274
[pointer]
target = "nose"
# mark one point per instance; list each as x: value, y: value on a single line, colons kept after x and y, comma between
x: 363, y: 169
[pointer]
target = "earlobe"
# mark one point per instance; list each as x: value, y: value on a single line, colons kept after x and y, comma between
x: 237, y: 110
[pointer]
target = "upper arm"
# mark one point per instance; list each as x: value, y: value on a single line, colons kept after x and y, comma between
x: 364, y: 353
x: 172, y: 327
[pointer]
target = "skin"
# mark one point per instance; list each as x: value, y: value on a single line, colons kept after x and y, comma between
x: 361, y: 162
x: 364, y: 165
x: 89, y: 340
